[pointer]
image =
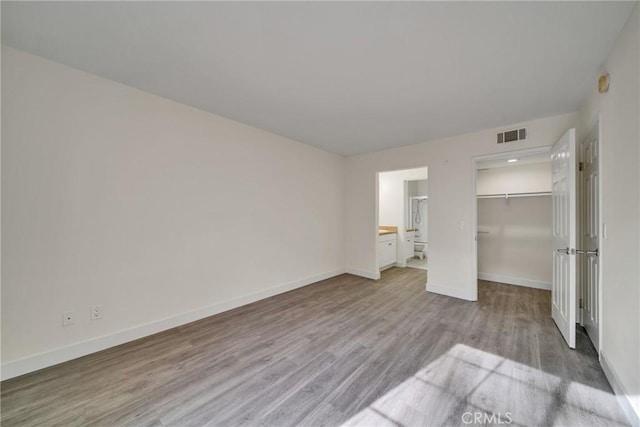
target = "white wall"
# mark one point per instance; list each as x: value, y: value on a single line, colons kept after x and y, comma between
x: 514, y: 241
x: 421, y: 206
x: 423, y: 187
x: 528, y: 178
x: 392, y: 197
x: 514, y: 236
x: 418, y: 188
x: 154, y: 209
x: 620, y: 250
x: 450, y: 198
x: 392, y: 201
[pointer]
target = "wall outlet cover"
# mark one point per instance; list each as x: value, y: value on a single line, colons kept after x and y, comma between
x: 96, y: 312
x: 68, y: 318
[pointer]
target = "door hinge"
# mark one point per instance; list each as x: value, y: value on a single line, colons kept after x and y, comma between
x: 581, y: 166
x: 581, y: 305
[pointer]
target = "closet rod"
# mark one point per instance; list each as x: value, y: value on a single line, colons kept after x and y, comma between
x: 510, y: 195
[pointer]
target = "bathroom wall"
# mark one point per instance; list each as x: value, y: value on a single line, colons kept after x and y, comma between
x: 420, y: 207
x: 391, y: 199
x: 418, y: 189
x: 412, y: 187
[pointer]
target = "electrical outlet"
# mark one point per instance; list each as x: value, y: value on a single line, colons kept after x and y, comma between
x: 68, y: 318
x: 96, y: 312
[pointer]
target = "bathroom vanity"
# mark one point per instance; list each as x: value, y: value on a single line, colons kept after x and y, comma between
x: 409, y: 241
x: 387, y: 248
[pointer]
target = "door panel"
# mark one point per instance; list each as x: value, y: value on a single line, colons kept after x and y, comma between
x: 590, y: 243
x: 563, y: 291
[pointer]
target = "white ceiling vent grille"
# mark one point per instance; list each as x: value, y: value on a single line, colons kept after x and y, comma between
x: 512, y: 135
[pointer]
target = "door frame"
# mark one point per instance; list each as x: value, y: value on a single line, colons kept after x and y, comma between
x: 474, y: 200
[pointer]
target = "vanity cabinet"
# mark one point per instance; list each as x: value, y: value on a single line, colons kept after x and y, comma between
x: 387, y: 250
x: 409, y: 240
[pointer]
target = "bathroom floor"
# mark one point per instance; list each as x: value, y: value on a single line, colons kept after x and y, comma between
x: 417, y: 263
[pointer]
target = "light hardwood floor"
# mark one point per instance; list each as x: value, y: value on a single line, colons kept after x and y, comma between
x: 342, y: 351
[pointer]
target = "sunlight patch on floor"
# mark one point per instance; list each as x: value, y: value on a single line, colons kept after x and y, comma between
x: 466, y: 386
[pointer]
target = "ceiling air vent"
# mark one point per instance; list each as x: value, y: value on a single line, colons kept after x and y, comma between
x: 512, y: 135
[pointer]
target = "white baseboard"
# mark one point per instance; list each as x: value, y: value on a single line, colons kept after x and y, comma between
x: 364, y: 273
x: 630, y: 408
x: 518, y: 281
x: 63, y: 354
x: 465, y: 294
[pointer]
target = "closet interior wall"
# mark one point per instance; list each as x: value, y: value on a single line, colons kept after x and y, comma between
x: 514, y: 225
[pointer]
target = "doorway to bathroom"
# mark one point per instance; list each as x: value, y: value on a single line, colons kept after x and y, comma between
x: 402, y: 232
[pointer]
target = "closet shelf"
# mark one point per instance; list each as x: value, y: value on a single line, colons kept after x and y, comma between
x: 510, y: 195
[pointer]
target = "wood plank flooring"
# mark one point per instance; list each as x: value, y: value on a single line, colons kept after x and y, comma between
x: 342, y: 351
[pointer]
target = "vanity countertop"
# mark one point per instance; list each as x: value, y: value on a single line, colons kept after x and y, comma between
x: 387, y: 229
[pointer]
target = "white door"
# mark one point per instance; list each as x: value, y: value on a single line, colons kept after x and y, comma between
x: 590, y: 265
x: 563, y: 291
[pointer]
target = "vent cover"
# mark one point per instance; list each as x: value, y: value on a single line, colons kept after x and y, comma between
x: 512, y: 135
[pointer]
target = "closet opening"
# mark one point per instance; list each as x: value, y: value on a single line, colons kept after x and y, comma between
x: 513, y: 224
x: 513, y: 220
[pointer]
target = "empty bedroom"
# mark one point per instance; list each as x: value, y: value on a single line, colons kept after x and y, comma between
x: 320, y: 213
